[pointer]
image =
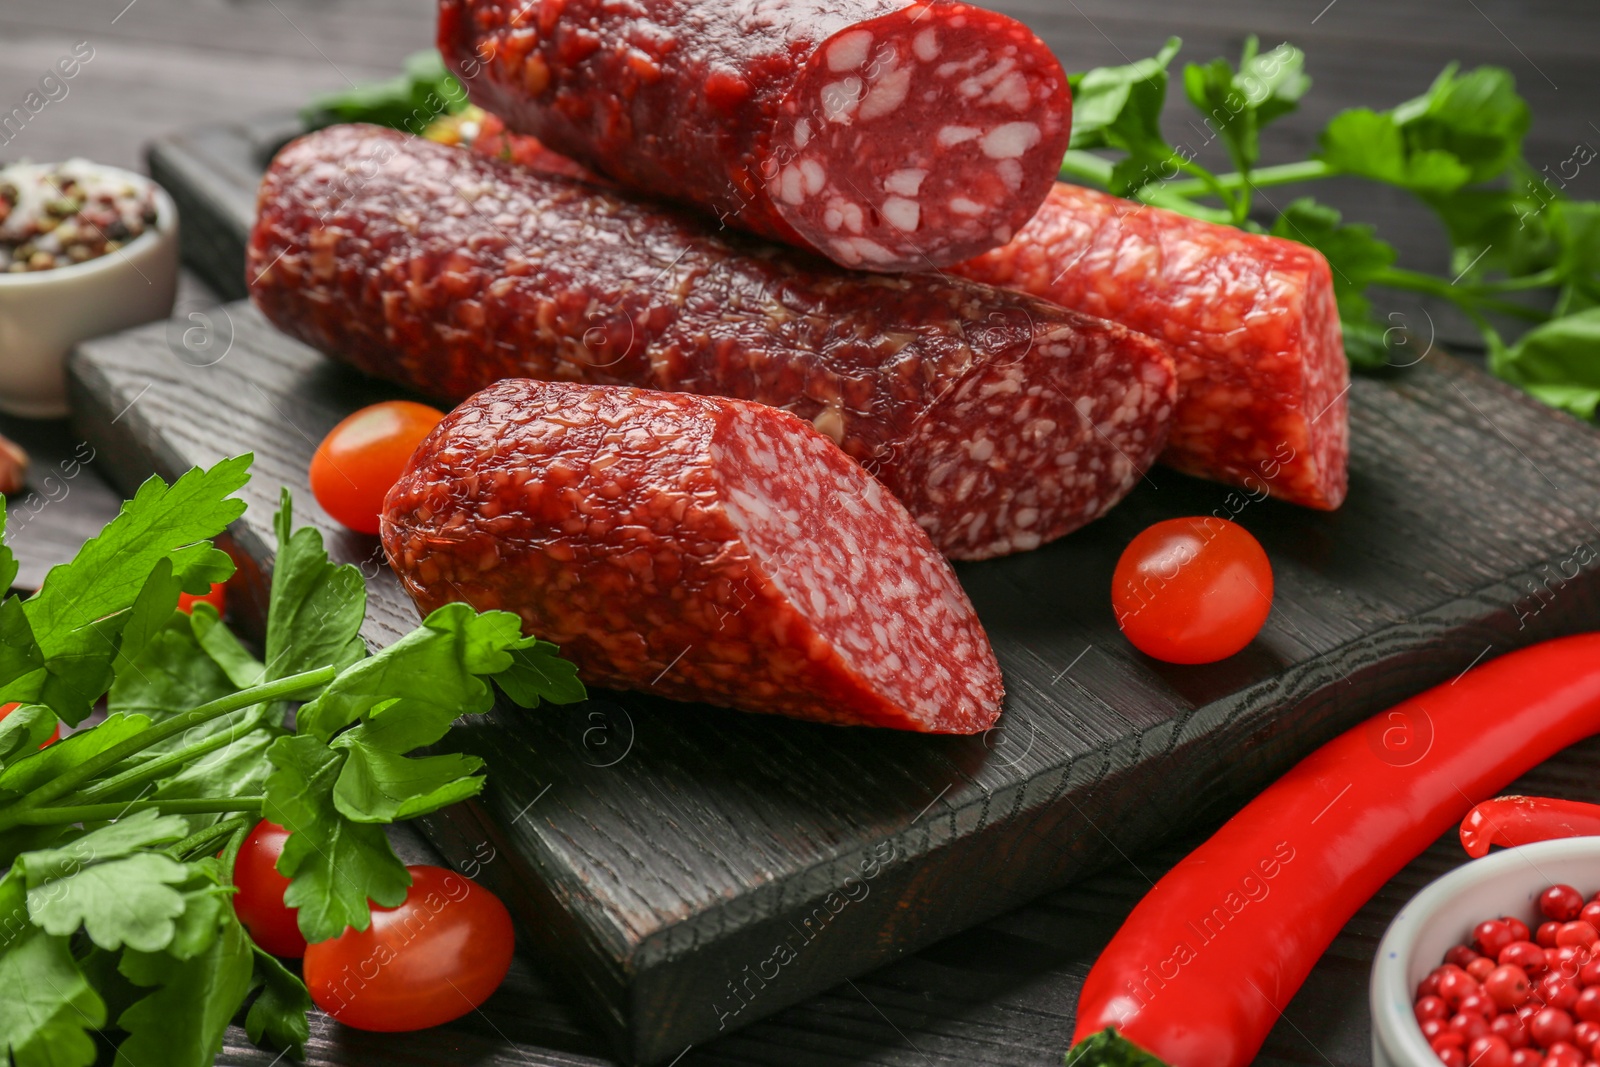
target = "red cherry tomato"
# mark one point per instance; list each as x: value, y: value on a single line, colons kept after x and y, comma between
x: 1192, y: 590
x: 217, y: 598
x: 361, y: 458
x: 259, y: 900
x: 434, y: 958
x: 55, y: 735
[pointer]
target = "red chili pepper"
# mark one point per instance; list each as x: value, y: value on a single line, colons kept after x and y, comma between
x: 1206, y: 963
x: 1509, y: 821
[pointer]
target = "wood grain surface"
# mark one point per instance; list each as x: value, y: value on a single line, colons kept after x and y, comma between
x: 1002, y: 992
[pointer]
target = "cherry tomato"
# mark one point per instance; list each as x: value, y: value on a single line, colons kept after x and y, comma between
x: 1192, y: 590
x: 217, y: 598
x: 434, y: 958
x: 361, y: 458
x: 259, y: 901
x: 55, y: 735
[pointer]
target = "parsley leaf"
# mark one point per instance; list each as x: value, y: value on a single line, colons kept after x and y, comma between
x: 537, y: 673
x: 8, y: 562
x: 1477, y: 118
x: 1236, y: 105
x: 412, y: 691
x: 278, y: 1015
x: 335, y: 865
x: 104, y: 883
x: 79, y: 613
x: 316, y: 608
x: 1120, y: 107
x: 1371, y: 144
x: 183, y: 1023
x: 49, y: 1007
x: 1559, y: 363
x: 25, y: 731
x: 376, y: 785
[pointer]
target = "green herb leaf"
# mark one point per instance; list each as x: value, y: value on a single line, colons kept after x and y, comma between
x: 8, y: 562
x: 183, y: 1023
x: 379, y: 786
x: 1105, y: 98
x: 279, y: 1014
x: 538, y: 673
x: 1476, y: 118
x: 102, y: 882
x: 49, y: 1007
x: 316, y: 610
x: 218, y: 642
x: 1370, y: 144
x: 79, y: 612
x: 1236, y: 105
x: 335, y: 865
x: 26, y: 774
x: 412, y: 691
x: 24, y: 731
x: 1559, y: 363
x: 409, y: 102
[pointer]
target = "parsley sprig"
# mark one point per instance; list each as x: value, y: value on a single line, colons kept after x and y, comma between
x: 115, y: 921
x: 1458, y: 148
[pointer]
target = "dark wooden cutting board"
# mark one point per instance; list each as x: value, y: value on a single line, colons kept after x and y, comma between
x: 663, y: 852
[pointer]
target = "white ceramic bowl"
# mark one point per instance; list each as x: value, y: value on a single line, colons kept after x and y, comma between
x: 1443, y: 914
x: 43, y: 314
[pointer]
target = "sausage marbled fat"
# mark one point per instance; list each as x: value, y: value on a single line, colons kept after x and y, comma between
x: 884, y: 134
x: 699, y: 548
x: 1001, y: 421
x: 1262, y: 372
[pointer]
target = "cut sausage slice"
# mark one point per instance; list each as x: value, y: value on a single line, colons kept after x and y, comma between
x: 1251, y: 320
x: 885, y: 135
x: 1000, y: 420
x: 695, y: 547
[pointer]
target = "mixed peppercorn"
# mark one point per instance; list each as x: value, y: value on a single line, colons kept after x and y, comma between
x: 1516, y: 997
x: 55, y: 216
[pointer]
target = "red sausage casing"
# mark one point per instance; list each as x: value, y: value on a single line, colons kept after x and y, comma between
x: 884, y: 134
x: 696, y: 547
x: 1251, y: 319
x: 1000, y: 420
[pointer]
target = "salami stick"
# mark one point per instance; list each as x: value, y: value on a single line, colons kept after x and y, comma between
x: 696, y: 547
x: 1251, y: 319
x: 884, y: 134
x: 1001, y: 421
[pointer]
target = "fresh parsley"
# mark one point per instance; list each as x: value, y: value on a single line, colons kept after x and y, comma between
x: 1458, y: 148
x: 114, y: 913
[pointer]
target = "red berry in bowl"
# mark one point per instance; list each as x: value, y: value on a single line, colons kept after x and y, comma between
x: 1558, y: 991
x: 1524, y: 954
x: 1489, y: 1051
x: 1460, y: 956
x: 1546, y: 934
x: 1432, y: 1008
x: 1481, y: 968
x: 1455, y: 983
x: 1551, y: 1026
x: 1510, y: 1027
x: 1492, y: 936
x: 1526, y: 1057
x: 1470, y: 1025
x: 1561, y: 903
x: 1587, y: 1006
x: 1507, y: 986
x: 1519, y: 929
x: 1577, y: 934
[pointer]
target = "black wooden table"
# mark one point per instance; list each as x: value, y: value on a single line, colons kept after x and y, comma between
x: 1003, y: 992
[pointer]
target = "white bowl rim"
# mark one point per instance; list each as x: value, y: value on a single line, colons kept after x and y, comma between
x: 1391, y: 994
x: 166, y: 219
